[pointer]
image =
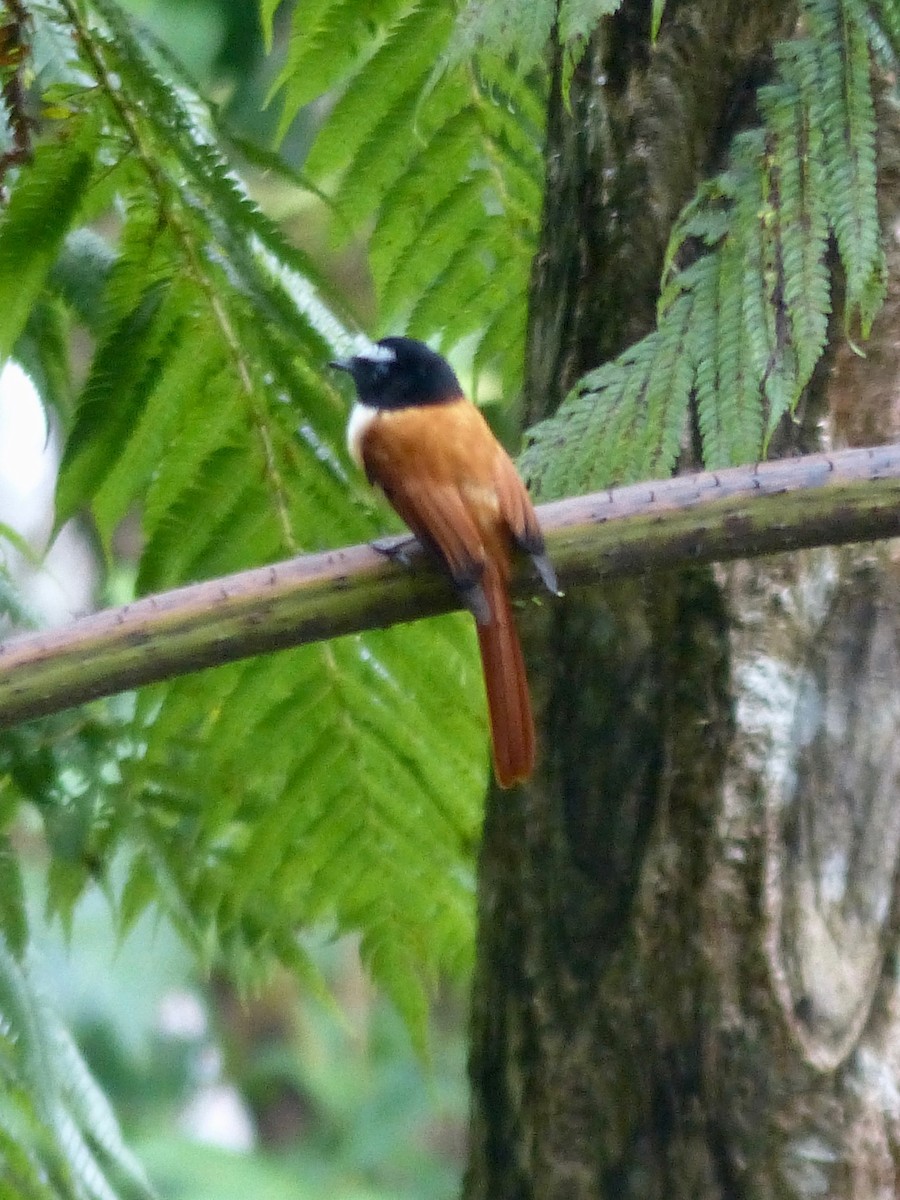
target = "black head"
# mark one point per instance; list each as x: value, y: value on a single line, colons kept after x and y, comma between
x: 400, y: 372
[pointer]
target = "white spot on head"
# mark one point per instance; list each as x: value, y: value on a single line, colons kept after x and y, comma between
x: 372, y: 352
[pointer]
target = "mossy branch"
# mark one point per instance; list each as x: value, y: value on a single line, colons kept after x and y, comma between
x: 823, y: 499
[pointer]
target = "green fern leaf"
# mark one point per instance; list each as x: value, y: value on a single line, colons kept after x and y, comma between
x: 123, y: 373
x: 800, y: 191
x: 138, y: 894
x: 439, y: 244
x: 415, y: 204
x: 576, y: 21
x: 400, y: 66
x: 625, y: 420
x: 431, y: 156
x: 579, y: 18
x: 885, y: 16
x: 267, y: 10
x: 390, y: 150
x: 13, y: 918
x: 42, y: 350
x: 520, y: 28
x: 58, y: 1124
x: 169, y: 433
x: 93, y: 1138
x: 501, y: 344
x: 41, y: 209
x: 656, y: 16
x: 328, y: 39
x: 307, y: 837
x: 667, y: 397
x: 844, y: 110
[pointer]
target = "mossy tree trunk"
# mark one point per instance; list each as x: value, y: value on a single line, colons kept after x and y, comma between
x: 686, y: 966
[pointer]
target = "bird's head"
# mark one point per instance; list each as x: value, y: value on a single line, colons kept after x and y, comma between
x: 399, y: 372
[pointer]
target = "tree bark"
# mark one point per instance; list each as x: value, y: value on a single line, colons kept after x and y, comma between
x: 685, y: 975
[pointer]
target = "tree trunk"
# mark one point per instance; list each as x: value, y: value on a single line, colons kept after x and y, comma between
x: 685, y: 977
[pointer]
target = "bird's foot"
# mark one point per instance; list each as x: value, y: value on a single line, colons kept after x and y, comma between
x: 475, y: 600
x: 402, y: 550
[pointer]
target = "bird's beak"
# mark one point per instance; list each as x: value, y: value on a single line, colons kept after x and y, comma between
x: 342, y: 364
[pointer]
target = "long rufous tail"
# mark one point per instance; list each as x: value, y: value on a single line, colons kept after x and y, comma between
x: 509, y: 704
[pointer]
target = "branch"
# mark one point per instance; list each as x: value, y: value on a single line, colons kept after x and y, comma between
x: 817, y: 500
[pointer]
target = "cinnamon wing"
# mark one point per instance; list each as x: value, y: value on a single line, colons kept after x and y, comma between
x: 520, y: 518
x: 439, y: 518
x: 516, y: 507
x: 424, y: 494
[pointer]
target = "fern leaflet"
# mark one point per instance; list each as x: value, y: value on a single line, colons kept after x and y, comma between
x: 757, y: 284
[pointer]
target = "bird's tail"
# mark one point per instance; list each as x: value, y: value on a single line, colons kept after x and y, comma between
x: 509, y: 705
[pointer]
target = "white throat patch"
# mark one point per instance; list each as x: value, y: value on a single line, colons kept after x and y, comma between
x: 361, y: 418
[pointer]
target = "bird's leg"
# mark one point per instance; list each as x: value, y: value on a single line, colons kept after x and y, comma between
x: 476, y: 602
x: 467, y: 582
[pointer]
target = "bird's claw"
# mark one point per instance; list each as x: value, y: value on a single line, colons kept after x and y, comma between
x: 400, y: 550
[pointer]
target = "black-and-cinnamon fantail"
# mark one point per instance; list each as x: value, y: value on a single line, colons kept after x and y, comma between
x: 434, y: 456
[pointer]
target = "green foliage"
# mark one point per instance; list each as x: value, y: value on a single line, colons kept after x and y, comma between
x: 54, y: 183
x: 58, y: 1135
x: 444, y: 163
x: 521, y: 30
x: 374, y: 1123
x: 744, y: 309
x: 514, y: 27
x: 299, y: 788
x: 883, y: 24
x: 375, y: 1120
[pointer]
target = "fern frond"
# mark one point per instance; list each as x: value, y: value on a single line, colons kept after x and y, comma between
x: 520, y: 28
x: 844, y: 110
x: 42, y: 350
x: 401, y: 65
x: 43, y: 205
x: 429, y: 156
x: 576, y: 21
x: 123, y: 374
x: 331, y: 39
x: 348, y: 817
x: 92, y: 1128
x: 58, y: 1135
x: 885, y: 16
x: 758, y: 283
x: 656, y: 16
x: 309, y: 784
x: 579, y: 18
x: 626, y: 419
x: 800, y: 205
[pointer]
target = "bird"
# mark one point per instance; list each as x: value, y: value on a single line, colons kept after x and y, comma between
x: 426, y: 446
